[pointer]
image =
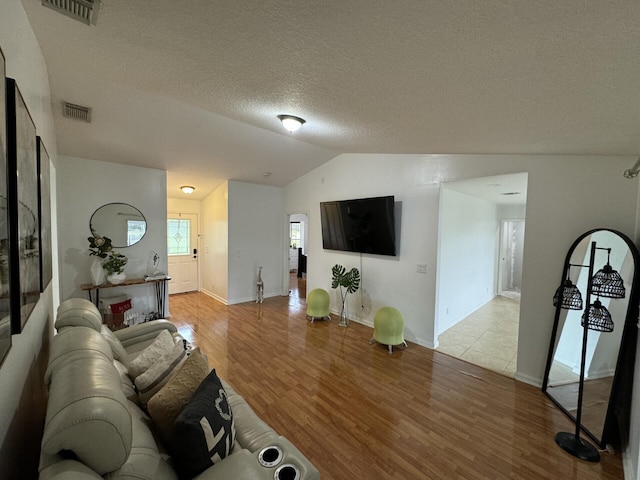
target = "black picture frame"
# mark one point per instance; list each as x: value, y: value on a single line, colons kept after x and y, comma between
x: 44, y: 213
x: 22, y: 189
x: 5, y: 297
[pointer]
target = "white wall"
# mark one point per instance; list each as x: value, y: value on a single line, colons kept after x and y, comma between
x: 85, y: 185
x: 215, y: 257
x: 559, y: 209
x: 256, y: 238
x: 469, y: 230
x: 24, y: 63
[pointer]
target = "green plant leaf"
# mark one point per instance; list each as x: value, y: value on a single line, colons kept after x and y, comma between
x: 337, y: 272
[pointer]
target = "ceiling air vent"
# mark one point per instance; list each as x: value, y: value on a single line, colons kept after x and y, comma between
x: 85, y: 11
x: 76, y: 112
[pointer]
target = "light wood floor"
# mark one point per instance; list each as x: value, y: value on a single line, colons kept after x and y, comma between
x: 358, y: 413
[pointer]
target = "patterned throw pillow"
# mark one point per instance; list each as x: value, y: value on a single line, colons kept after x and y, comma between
x: 157, y: 375
x: 165, y: 406
x: 204, y: 433
x: 150, y: 355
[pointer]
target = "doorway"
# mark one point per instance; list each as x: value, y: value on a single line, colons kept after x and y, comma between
x: 479, y: 275
x: 297, y: 254
x: 182, y: 249
x: 511, y: 254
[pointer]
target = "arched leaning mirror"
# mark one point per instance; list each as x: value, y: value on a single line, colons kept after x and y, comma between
x: 123, y: 224
x: 606, y: 364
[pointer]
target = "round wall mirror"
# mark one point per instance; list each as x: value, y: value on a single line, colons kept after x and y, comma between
x: 123, y: 224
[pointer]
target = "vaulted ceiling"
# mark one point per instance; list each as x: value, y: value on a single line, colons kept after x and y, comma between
x: 194, y: 86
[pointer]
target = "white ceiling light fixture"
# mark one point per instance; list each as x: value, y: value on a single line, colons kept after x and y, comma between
x: 291, y: 122
x: 188, y: 189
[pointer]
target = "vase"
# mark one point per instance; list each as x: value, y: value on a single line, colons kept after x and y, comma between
x: 344, y: 319
x: 116, y: 278
x: 98, y: 276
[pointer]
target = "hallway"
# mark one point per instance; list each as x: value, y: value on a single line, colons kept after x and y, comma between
x: 487, y: 338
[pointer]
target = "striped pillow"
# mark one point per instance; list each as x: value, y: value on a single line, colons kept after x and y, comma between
x: 153, y: 379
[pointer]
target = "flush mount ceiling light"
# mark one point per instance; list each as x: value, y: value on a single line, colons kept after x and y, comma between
x: 290, y: 122
x: 188, y: 189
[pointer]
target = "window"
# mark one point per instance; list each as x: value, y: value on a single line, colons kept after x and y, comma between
x: 294, y: 234
x: 135, y: 231
x: 178, y: 234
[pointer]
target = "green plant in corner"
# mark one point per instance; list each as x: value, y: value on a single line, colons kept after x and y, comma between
x: 115, y: 263
x: 348, y: 282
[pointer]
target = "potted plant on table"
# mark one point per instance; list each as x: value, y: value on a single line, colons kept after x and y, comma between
x: 99, y: 248
x: 348, y: 282
x: 114, y: 265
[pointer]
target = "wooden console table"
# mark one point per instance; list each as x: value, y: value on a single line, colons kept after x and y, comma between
x: 159, y: 283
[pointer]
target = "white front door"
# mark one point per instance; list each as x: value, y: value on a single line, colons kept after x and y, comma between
x: 182, y: 247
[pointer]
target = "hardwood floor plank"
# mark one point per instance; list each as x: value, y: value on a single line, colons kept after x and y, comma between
x: 358, y: 413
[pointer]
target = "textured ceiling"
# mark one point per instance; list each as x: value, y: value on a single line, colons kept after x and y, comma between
x: 194, y: 86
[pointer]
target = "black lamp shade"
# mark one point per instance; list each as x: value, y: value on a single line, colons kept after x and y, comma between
x: 608, y: 283
x: 598, y: 318
x: 568, y: 296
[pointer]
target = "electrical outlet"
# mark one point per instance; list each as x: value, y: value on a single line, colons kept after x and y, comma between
x: 421, y: 268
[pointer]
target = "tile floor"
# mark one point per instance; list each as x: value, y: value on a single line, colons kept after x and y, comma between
x: 488, y: 337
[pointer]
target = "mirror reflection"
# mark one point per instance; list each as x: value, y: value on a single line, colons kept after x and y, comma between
x: 122, y: 223
x: 603, y: 347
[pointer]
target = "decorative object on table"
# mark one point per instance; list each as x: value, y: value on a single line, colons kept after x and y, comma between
x: 602, y: 397
x: 318, y: 304
x: 153, y: 264
x: 348, y: 282
x: 259, y: 287
x: 22, y: 190
x: 388, y: 328
x: 114, y: 265
x: 44, y: 214
x: 99, y: 248
x: 5, y: 322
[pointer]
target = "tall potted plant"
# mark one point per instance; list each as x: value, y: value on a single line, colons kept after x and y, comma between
x: 348, y: 282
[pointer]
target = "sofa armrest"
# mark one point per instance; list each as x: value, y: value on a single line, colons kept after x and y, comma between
x: 68, y: 470
x: 241, y: 464
x: 143, y: 332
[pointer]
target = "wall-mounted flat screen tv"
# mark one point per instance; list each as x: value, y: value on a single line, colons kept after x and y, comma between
x: 365, y: 225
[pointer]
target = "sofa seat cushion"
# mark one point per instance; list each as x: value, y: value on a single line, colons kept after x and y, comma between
x: 165, y: 406
x: 145, y: 462
x: 204, y: 432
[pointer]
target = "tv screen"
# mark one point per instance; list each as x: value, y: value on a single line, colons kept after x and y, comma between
x: 365, y: 225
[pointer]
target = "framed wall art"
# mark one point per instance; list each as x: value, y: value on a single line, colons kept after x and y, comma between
x: 5, y: 297
x: 44, y: 214
x: 22, y: 189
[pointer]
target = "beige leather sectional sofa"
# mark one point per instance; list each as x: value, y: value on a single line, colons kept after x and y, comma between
x: 95, y: 427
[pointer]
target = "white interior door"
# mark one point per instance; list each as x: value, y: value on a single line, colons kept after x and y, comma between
x: 182, y: 246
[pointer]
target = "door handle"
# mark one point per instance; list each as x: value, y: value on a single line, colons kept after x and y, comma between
x: 195, y: 253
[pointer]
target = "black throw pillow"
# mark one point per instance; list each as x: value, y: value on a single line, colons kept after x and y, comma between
x: 204, y: 432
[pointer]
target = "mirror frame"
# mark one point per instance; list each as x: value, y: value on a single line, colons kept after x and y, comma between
x: 107, y: 234
x: 620, y: 397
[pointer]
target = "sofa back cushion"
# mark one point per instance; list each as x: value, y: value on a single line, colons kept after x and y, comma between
x: 87, y: 412
x: 73, y: 344
x: 78, y: 312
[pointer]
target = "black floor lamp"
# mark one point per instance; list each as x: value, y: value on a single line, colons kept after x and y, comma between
x: 605, y: 283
